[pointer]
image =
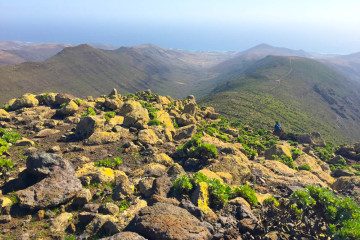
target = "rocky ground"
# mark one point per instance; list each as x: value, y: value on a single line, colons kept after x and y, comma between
x: 144, y: 166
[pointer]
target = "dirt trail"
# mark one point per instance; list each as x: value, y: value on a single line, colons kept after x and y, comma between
x: 287, y: 74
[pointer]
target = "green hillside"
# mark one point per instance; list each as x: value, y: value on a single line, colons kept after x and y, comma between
x: 303, y: 94
x: 84, y: 71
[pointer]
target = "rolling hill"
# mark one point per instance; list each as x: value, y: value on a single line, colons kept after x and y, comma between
x: 303, y: 94
x: 83, y: 70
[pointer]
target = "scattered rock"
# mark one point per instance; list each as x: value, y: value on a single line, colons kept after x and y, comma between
x: 46, y: 133
x: 125, y: 236
x: 61, y: 222
x: 5, y: 219
x: 165, y: 221
x: 277, y: 150
x: 109, y: 208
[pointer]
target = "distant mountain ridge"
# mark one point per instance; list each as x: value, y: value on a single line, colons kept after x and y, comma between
x: 306, y: 91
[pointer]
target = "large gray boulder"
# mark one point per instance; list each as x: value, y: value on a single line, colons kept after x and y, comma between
x: 58, y: 186
x: 166, y: 221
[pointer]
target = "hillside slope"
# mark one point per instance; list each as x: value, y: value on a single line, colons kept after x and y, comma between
x: 303, y: 94
x: 83, y: 70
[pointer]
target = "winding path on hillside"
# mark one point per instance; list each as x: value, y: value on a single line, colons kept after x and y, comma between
x: 284, y: 76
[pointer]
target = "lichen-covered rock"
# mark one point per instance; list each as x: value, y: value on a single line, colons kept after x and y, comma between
x: 24, y: 142
x: 27, y: 100
x: 99, y: 138
x: 70, y: 108
x: 124, y: 188
x: 62, y: 98
x: 165, y: 221
x: 163, y: 159
x: 83, y: 197
x: 347, y: 183
x: 113, y: 103
x: 237, y: 166
x: 125, y: 236
x: 148, y: 136
x: 278, y: 150
x: 190, y: 108
x: 90, y: 174
x: 154, y: 170
x: 4, y: 115
x: 104, y: 223
x: 315, y: 166
x: 109, y: 208
x: 135, y: 115
x: 185, y: 132
x: 46, y: 133
x: 185, y: 119
x: 200, y: 198
x: 60, y: 222
x: 88, y: 125
x: 312, y: 138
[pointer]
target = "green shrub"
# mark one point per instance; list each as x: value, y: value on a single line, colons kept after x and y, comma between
x: 271, y: 201
x: 219, y: 192
x: 288, y: 161
x: 304, y: 167
x: 109, y: 115
x: 302, y: 199
x: 154, y: 122
x: 123, y: 205
x: 6, y: 107
x: 292, y: 143
x: 63, y: 104
x: 175, y: 124
x: 196, y: 148
x: 88, y: 112
x: 183, y: 184
x: 296, y: 153
x: 78, y: 101
x: 11, y: 137
x: 356, y: 166
x: 3, y: 146
x: 342, y: 215
x: 246, y: 192
x: 108, y: 163
x: 199, y: 177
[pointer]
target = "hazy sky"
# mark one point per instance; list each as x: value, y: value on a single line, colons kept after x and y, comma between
x: 324, y: 26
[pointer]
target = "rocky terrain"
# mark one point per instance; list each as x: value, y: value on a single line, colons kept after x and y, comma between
x: 144, y: 166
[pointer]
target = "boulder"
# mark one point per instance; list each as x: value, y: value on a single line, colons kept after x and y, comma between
x: 104, y: 223
x: 90, y: 174
x: 59, y: 187
x: 312, y: 138
x: 113, y: 103
x: 24, y: 142
x: 27, y: 100
x: 62, y: 98
x: 154, y: 170
x: 163, y: 159
x: 46, y: 133
x: 347, y: 183
x: 4, y: 115
x: 83, y: 197
x: 109, y: 208
x: 236, y: 165
x: 69, y: 109
x: 185, y: 132
x: 315, y: 166
x: 135, y: 115
x: 88, y: 125
x: 148, y: 136
x: 124, y: 189
x: 166, y: 221
x: 185, y: 119
x: 99, y: 138
x: 278, y: 150
x: 125, y: 236
x: 60, y: 222
x: 200, y: 198
x: 190, y: 108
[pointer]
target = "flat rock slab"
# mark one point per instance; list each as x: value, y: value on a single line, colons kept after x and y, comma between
x: 168, y: 222
x: 46, y: 133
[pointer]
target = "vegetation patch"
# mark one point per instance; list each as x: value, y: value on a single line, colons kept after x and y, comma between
x: 107, y: 162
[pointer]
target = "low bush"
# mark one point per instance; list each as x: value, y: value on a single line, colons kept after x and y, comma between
x: 154, y: 122
x: 295, y: 152
x: 304, y: 167
x: 246, y: 192
x: 108, y: 163
x: 88, y: 112
x: 109, y: 115
x: 288, y: 161
x: 196, y: 148
x: 183, y: 184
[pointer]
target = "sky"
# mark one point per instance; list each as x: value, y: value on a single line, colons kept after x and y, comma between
x: 323, y: 26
